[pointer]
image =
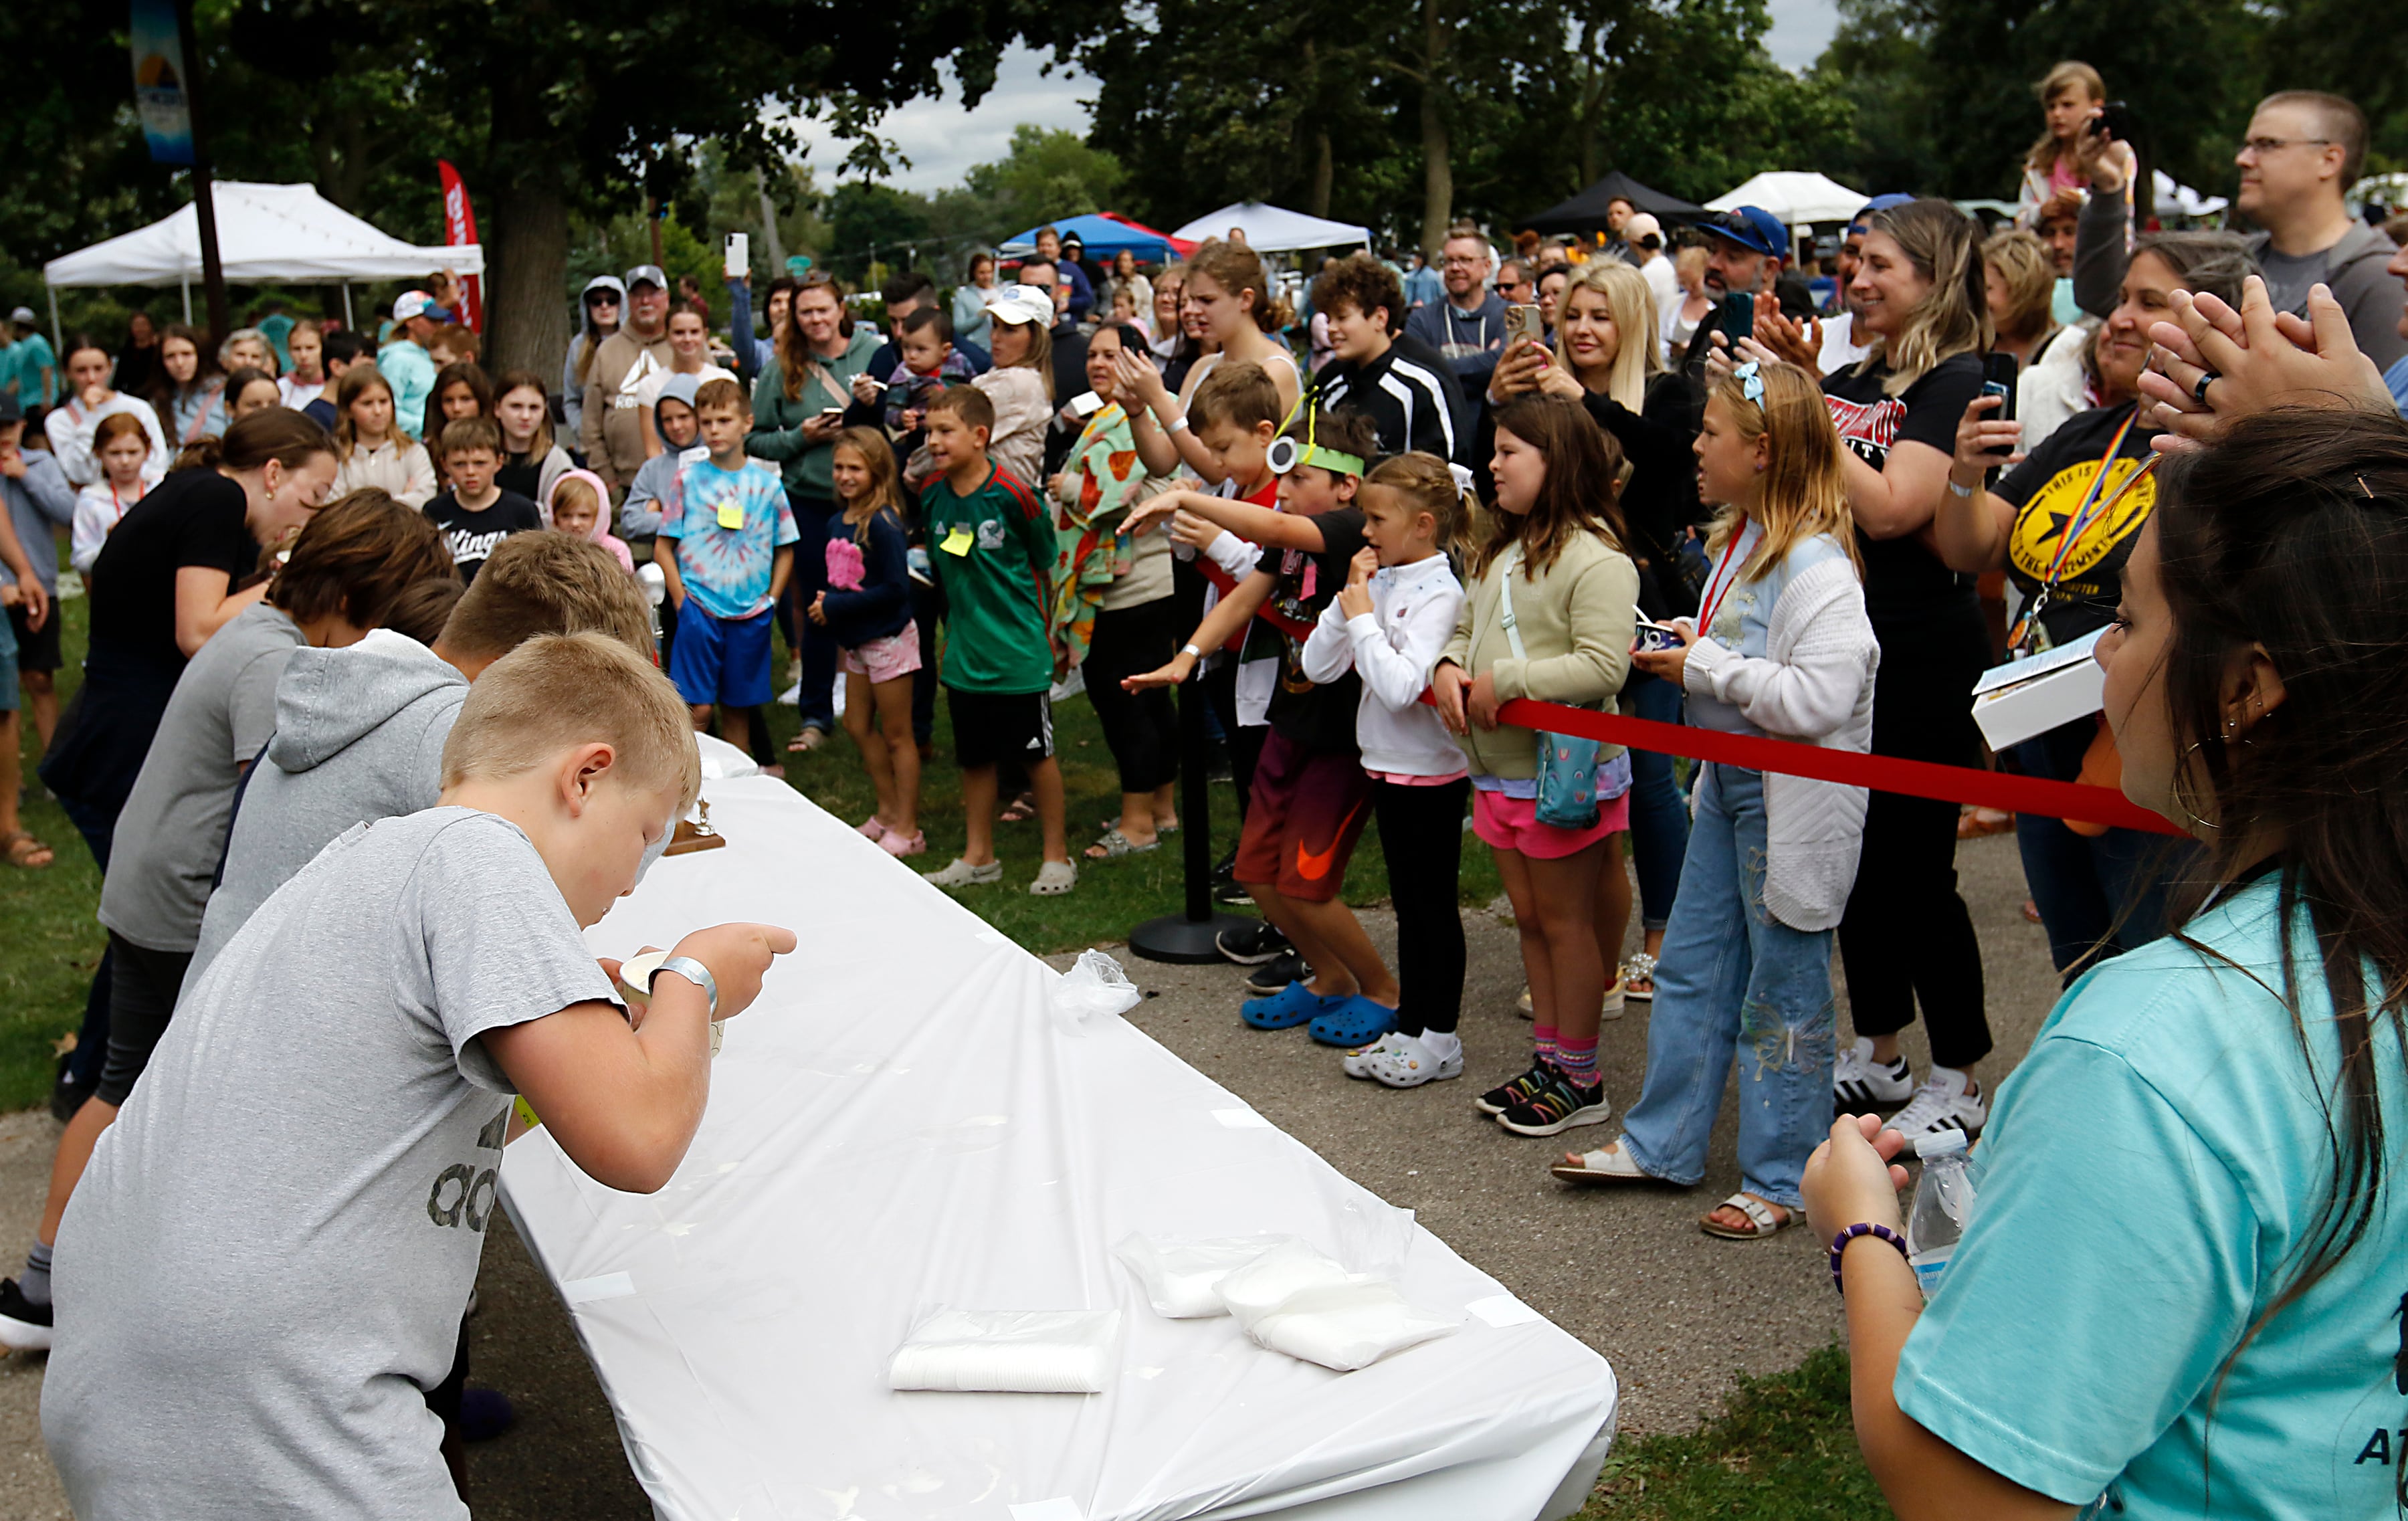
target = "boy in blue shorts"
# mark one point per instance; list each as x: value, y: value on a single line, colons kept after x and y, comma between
x: 993, y: 549
x: 726, y: 546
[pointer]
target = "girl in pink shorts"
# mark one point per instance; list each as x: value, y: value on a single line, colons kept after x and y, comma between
x: 868, y: 609
x: 1552, y: 602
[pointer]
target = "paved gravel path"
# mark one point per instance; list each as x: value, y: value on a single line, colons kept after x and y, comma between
x: 1678, y: 1312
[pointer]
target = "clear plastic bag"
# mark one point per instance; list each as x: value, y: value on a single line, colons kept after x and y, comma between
x: 1262, y: 1286
x: 1009, y: 1350
x: 1181, y: 1277
x: 1094, y: 988
x: 1347, y: 1326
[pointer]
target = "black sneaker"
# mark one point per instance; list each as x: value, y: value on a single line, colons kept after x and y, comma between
x: 1279, y: 973
x: 1557, y: 1108
x: 1497, y: 1100
x: 24, y: 1325
x: 1252, y: 944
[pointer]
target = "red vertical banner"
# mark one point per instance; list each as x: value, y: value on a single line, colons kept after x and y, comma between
x: 460, y: 227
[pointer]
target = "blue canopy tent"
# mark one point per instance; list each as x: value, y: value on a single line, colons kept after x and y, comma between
x: 1102, y: 237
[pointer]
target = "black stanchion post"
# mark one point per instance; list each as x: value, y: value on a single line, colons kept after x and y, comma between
x: 1188, y: 937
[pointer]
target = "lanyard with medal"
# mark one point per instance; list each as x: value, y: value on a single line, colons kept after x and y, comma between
x: 2024, y: 637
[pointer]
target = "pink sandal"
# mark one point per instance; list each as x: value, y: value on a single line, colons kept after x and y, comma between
x: 894, y: 844
x: 870, y: 828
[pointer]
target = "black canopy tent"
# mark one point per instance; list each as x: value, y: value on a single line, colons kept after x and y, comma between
x: 1586, y: 212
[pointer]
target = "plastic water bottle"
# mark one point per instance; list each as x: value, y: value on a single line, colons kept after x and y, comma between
x: 1943, y: 1198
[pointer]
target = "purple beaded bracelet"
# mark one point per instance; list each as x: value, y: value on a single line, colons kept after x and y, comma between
x: 1840, y: 1245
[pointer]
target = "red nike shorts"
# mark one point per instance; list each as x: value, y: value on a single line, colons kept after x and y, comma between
x: 1303, y: 817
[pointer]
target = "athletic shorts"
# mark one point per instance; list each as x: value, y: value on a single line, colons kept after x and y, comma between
x: 721, y: 660
x: 883, y: 660
x: 992, y: 727
x: 8, y: 663
x: 1302, y: 818
x: 1511, y: 824
x: 37, y: 649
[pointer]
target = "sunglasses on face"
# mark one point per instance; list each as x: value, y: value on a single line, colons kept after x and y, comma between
x: 601, y: 300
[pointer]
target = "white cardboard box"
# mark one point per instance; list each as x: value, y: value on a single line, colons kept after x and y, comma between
x: 2025, y: 697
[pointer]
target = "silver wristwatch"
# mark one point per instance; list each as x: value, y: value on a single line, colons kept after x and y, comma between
x: 693, y: 972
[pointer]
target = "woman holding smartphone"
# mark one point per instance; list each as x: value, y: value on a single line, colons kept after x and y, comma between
x: 799, y: 409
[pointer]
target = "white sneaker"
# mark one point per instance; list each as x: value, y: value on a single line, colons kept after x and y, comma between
x: 1942, y: 1104
x: 1406, y: 1061
x: 962, y: 874
x: 1613, y: 999
x: 1861, y: 1085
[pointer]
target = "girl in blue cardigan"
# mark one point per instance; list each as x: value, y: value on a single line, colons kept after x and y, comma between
x: 867, y: 608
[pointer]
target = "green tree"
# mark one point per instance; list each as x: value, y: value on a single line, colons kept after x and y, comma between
x: 1048, y: 173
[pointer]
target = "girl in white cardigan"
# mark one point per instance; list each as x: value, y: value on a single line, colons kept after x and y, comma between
x: 1782, y: 647
x: 1389, y: 624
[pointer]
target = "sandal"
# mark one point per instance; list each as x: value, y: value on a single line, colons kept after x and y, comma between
x: 810, y: 738
x: 1113, y: 842
x: 1053, y: 879
x: 1609, y: 1164
x: 1762, y: 1220
x: 1159, y: 826
x: 1019, y: 811
x: 22, y: 848
x: 870, y: 827
x: 1979, y: 823
x: 1638, y: 976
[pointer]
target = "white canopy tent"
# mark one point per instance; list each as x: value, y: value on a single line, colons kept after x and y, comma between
x: 2175, y: 196
x: 281, y: 235
x: 1795, y: 197
x: 1270, y: 229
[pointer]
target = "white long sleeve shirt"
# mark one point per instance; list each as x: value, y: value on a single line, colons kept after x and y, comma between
x: 71, y: 425
x: 1392, y: 648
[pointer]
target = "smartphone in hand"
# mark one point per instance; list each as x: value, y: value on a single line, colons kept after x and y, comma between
x: 1738, y: 320
x: 1522, y: 325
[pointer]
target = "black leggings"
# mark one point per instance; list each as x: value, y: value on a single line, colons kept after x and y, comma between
x: 1141, y: 727
x: 143, y: 985
x: 1421, y: 834
x: 1907, y: 935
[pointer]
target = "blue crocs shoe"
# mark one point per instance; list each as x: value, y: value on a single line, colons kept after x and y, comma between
x: 1354, y: 1022
x: 1288, y: 1008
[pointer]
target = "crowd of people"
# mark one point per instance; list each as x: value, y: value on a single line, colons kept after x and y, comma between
x: 1646, y: 474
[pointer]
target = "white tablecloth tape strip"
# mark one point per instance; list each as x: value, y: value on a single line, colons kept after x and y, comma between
x: 1242, y: 1119
x: 1502, y: 1310
x: 1061, y: 1509
x: 610, y: 1285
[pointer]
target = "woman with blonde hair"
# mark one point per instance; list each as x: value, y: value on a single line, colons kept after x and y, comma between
x: 1228, y: 288
x: 1680, y: 321
x: 1922, y: 304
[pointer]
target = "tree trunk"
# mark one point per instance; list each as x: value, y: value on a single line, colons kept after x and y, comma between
x: 1325, y: 171
x: 1438, y: 170
x: 771, y: 243
x: 526, y: 262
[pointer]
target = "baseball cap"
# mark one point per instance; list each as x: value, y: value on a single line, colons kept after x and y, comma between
x: 1752, y: 227
x: 1640, y: 228
x: 647, y: 274
x: 11, y: 409
x: 608, y: 283
x: 411, y: 303
x: 1880, y: 203
x: 25, y: 315
x: 1018, y: 304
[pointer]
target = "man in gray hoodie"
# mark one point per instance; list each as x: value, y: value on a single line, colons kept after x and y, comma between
x: 360, y: 731
x: 2302, y: 152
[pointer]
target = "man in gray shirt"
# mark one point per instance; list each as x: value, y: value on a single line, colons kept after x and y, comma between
x: 2302, y: 152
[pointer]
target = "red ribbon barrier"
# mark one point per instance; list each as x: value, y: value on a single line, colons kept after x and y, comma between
x: 2001, y: 790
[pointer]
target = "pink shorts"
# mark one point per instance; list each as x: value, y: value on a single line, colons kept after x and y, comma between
x: 1511, y: 824
x: 882, y: 660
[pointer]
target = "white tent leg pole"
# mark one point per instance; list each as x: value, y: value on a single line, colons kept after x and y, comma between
x: 346, y: 308
x: 57, y: 339
x: 188, y: 302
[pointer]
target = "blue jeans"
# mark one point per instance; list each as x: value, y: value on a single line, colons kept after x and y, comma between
x: 1659, y: 816
x: 1735, y: 981
x: 2098, y: 895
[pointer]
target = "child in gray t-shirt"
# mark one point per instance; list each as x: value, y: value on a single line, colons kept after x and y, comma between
x: 265, y: 1263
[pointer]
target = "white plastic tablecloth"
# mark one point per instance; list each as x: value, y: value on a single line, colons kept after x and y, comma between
x: 902, y: 1122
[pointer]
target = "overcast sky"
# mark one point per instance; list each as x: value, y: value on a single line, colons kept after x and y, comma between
x: 943, y: 140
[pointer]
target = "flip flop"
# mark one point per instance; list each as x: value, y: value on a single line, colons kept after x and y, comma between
x: 1113, y: 842
x: 810, y: 738
x: 1607, y: 1164
x: 1019, y: 811
x: 21, y: 847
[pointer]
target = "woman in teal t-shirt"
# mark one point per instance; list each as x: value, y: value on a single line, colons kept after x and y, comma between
x: 2180, y: 1291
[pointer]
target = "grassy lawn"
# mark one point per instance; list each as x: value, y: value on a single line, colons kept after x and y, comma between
x: 1781, y: 1450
